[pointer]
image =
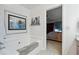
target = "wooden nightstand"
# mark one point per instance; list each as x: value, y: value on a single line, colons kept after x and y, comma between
x: 58, y: 36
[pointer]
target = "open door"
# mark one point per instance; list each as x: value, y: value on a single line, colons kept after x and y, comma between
x: 54, y: 30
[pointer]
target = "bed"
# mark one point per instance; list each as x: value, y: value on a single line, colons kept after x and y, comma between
x: 51, y: 35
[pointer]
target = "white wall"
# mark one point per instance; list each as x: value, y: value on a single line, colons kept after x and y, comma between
x: 23, y: 37
x: 70, y: 18
x: 38, y: 32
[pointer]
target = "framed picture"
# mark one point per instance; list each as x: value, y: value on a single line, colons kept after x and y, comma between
x: 16, y: 22
x: 35, y: 21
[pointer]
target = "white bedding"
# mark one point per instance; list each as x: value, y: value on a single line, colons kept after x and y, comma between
x: 51, y: 35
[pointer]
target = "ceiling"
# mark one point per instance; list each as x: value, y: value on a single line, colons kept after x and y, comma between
x: 54, y: 14
x: 30, y: 6
x: 46, y: 6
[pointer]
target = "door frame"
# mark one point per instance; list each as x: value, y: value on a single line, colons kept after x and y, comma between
x: 46, y: 25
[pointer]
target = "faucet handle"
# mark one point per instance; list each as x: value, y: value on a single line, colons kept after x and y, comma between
x: 4, y: 38
x: 1, y: 43
x: 2, y: 48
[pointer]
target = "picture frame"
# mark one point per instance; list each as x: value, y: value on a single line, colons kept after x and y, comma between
x: 16, y: 22
x: 35, y: 21
x: 13, y: 30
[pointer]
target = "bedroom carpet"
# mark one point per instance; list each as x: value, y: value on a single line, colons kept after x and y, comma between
x: 53, y: 48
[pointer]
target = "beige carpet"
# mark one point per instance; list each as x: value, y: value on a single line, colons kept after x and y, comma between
x: 53, y: 48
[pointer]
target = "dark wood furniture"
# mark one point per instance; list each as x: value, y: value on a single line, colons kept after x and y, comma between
x: 58, y: 36
x: 50, y: 27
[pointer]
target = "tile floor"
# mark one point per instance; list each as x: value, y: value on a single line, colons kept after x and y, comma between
x: 53, y: 48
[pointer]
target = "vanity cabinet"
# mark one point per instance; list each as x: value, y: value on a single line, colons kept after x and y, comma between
x: 12, y: 44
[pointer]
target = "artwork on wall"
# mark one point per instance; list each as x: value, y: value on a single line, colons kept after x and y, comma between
x: 16, y: 22
x: 35, y: 21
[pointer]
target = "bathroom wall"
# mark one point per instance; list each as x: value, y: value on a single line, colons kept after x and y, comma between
x: 70, y: 18
x: 38, y: 32
x: 24, y: 38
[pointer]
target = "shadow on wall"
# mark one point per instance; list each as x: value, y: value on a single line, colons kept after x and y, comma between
x: 72, y: 49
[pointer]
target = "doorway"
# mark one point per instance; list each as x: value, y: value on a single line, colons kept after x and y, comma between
x: 54, y: 30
